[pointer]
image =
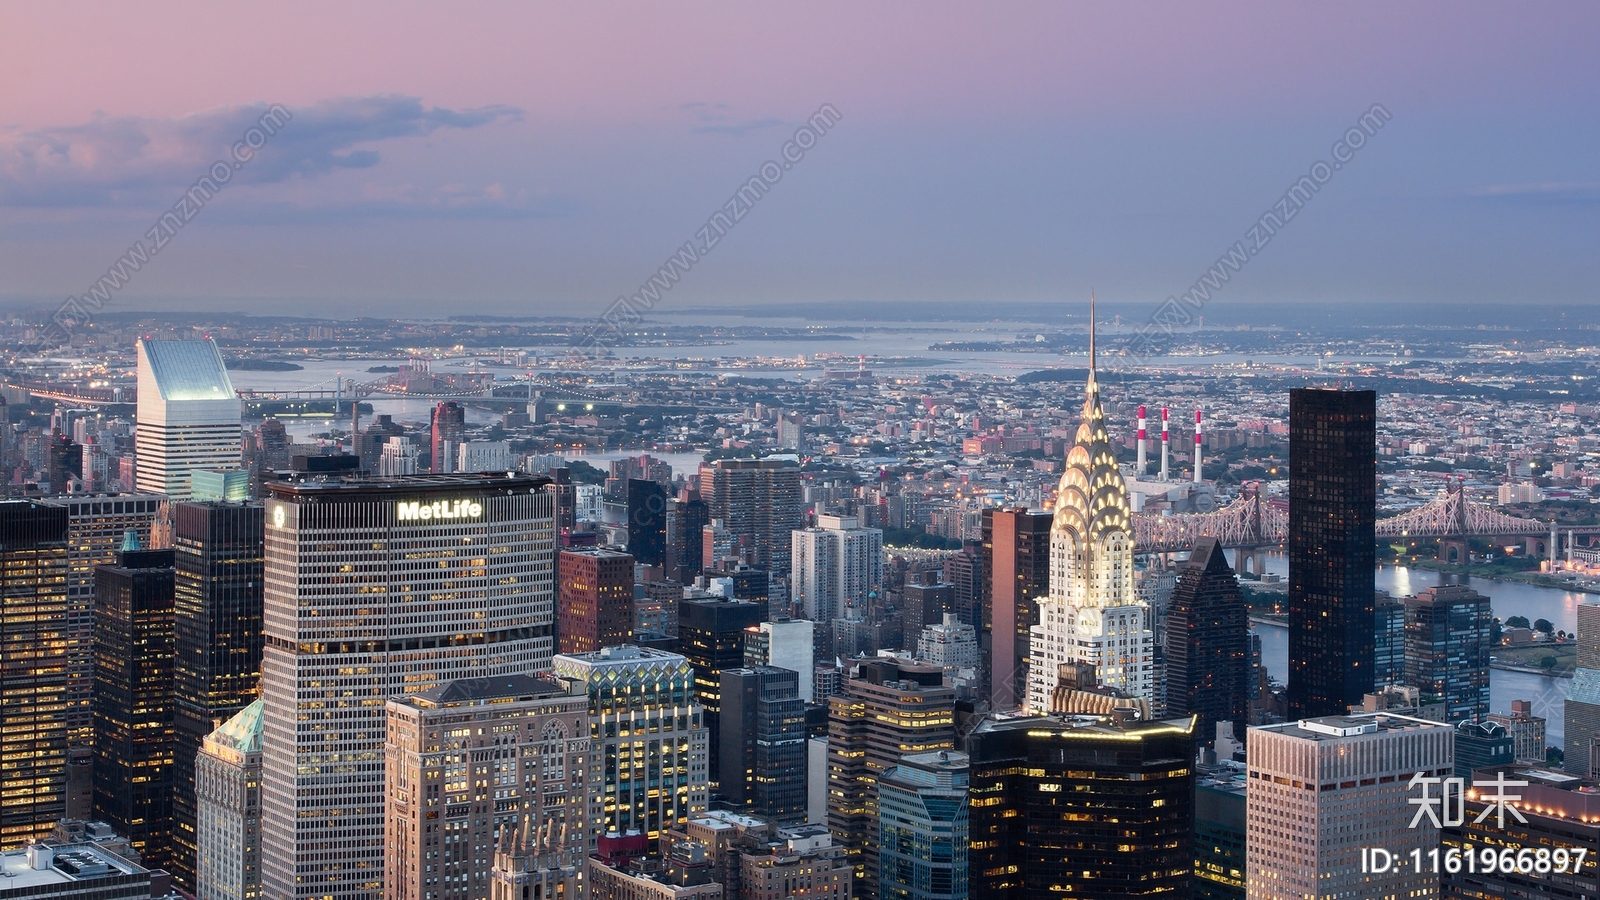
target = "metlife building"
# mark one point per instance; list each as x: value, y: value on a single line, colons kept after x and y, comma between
x: 378, y: 589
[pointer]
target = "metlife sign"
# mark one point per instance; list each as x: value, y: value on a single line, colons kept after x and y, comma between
x: 417, y: 511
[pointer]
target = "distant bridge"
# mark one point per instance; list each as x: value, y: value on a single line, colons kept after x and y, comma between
x: 1252, y: 524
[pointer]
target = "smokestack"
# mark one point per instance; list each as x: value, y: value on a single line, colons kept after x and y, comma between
x: 1164, y: 443
x: 1569, y: 546
x: 1141, y: 442
x: 1197, y: 446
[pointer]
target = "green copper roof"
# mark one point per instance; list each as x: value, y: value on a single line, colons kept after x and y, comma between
x: 243, y: 731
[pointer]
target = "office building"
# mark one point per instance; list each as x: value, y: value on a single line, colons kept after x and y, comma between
x: 922, y: 828
x: 532, y: 859
x: 887, y: 710
x: 1219, y: 831
x: 88, y: 870
x: 687, y: 517
x: 1090, y: 807
x: 762, y: 769
x: 758, y: 502
x: 647, y: 521
x: 1526, y: 730
x: 457, y: 784
x: 787, y: 644
x: 376, y: 590
x: 648, y: 733
x: 596, y: 600
x: 1016, y: 559
x: 1482, y: 745
x: 485, y: 456
x: 188, y: 415
x: 134, y: 648
x: 1323, y: 790
x: 227, y: 791
x: 803, y: 862
x: 632, y: 878
x: 1207, y: 642
x: 711, y: 636
x: 836, y: 563
x: 33, y: 670
x: 1581, y: 708
x: 1332, y: 509
x: 951, y: 646
x: 1447, y: 649
x: 923, y: 605
x: 218, y: 585
x: 1556, y: 812
x: 1388, y: 641
x: 219, y: 484
x: 1093, y: 613
x: 964, y: 572
x: 447, y: 433
x: 96, y: 528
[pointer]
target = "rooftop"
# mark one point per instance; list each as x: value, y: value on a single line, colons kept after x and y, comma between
x: 476, y: 691
x: 188, y: 370
x: 242, y: 732
x: 68, y: 865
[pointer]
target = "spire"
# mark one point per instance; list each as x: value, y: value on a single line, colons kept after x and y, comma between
x: 1091, y: 335
x: 1092, y: 498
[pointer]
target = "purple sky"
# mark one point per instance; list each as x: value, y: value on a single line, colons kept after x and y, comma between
x: 510, y: 158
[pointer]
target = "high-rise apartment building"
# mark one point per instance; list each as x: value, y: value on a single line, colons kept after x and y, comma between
x: 217, y: 551
x: 227, y: 789
x: 923, y: 828
x: 1090, y: 807
x: 648, y: 733
x: 1581, y: 708
x: 133, y: 699
x: 448, y: 433
x: 1093, y: 613
x: 468, y: 761
x: 1016, y: 560
x: 1526, y: 730
x: 762, y: 769
x: 711, y: 636
x: 836, y: 563
x: 595, y: 591
x: 1333, y: 480
x: 96, y: 527
x: 33, y: 670
x: 647, y: 521
x: 787, y: 644
x: 1447, y: 649
x: 1323, y: 791
x: 188, y: 415
x: 803, y: 864
x: 1208, y: 650
x: 377, y: 590
x: 951, y: 646
x: 887, y: 710
x: 758, y: 501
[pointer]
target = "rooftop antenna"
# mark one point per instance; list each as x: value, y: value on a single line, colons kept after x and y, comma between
x: 1091, y: 334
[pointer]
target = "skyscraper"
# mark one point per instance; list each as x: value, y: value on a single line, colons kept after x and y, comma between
x: 1208, y: 651
x: 647, y: 521
x: 711, y: 636
x: 1447, y: 649
x: 834, y: 564
x: 378, y: 590
x: 188, y: 415
x: 887, y: 710
x: 1332, y: 510
x: 1016, y: 558
x: 787, y: 644
x: 227, y: 776
x: 687, y: 518
x: 1093, y: 613
x: 649, y: 734
x: 217, y: 549
x: 596, y: 600
x: 759, y: 501
x: 1388, y: 641
x: 763, y: 743
x: 133, y: 652
x: 923, y: 829
x: 532, y: 764
x: 1322, y: 791
x: 33, y: 670
x: 1581, y: 709
x: 96, y: 526
x: 448, y: 434
x: 1080, y: 807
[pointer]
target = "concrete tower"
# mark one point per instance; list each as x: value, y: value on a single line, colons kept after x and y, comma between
x: 1093, y: 614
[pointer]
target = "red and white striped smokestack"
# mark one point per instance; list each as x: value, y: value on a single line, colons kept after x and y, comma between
x: 1140, y: 469
x: 1164, y: 444
x: 1197, y: 446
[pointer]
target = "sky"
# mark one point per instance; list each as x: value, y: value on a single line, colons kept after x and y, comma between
x: 545, y: 159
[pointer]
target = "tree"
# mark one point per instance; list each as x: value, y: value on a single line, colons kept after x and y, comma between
x: 1496, y: 632
x: 1518, y: 622
x: 1548, y: 662
x: 1543, y: 626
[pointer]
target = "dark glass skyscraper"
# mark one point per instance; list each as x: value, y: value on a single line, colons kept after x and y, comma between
x: 1208, y: 643
x: 1447, y: 649
x: 711, y: 635
x: 1332, y: 507
x: 133, y: 652
x: 763, y: 739
x: 647, y: 522
x: 217, y: 550
x: 33, y: 670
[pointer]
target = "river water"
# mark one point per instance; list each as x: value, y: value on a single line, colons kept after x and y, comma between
x: 1507, y: 598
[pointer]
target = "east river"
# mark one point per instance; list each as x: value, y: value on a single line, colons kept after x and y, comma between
x: 1508, y: 598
